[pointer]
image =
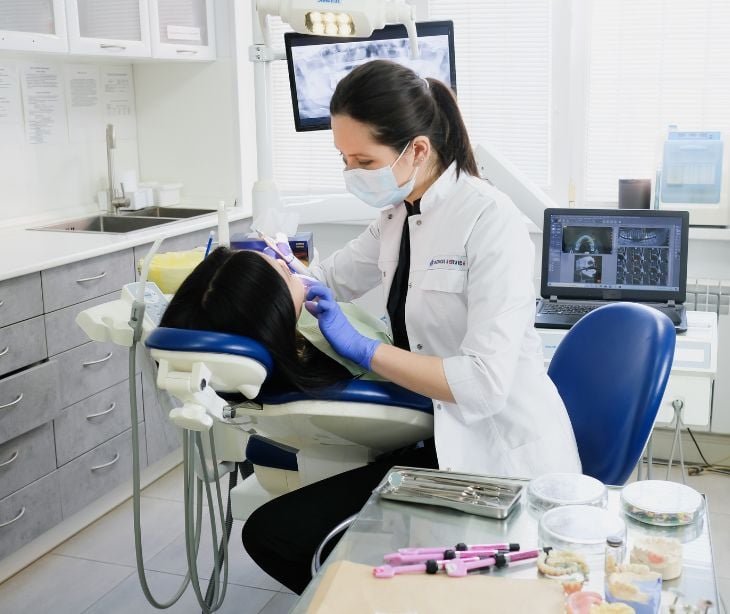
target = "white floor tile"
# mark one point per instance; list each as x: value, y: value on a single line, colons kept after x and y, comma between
x: 61, y: 585
x: 111, y: 538
x: 169, y: 486
x: 128, y: 597
x: 282, y: 603
x: 242, y: 569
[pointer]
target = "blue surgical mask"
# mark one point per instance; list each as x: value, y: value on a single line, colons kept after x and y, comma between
x: 379, y: 188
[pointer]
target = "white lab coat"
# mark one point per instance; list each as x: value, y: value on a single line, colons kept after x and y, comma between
x: 470, y: 301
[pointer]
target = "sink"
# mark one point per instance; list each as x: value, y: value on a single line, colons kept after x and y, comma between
x: 107, y: 224
x: 168, y: 212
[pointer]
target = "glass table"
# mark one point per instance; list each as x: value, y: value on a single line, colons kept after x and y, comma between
x: 383, y: 526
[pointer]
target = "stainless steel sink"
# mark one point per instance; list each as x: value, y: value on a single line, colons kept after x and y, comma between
x: 116, y: 224
x: 173, y: 212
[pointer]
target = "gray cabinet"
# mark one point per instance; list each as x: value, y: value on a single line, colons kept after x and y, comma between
x: 65, y: 423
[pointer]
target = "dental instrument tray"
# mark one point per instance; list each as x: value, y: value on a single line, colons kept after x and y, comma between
x: 465, y: 492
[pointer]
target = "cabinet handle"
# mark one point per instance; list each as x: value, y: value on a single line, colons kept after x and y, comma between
x: 96, y: 362
x: 18, y: 517
x: 17, y: 400
x: 5, y: 351
x: 10, y: 460
x: 108, y: 46
x: 2, y: 303
x: 193, y: 51
x: 101, y: 413
x: 83, y: 279
x: 109, y: 464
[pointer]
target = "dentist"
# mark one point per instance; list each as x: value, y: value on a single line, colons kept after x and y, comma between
x: 455, y: 262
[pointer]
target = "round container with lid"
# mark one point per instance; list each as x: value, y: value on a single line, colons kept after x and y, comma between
x: 662, y: 503
x: 581, y: 528
x: 557, y: 489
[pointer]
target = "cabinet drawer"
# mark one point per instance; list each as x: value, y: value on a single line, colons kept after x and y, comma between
x: 28, y: 399
x: 28, y: 513
x: 20, y: 298
x: 22, y: 344
x: 95, y: 420
x: 694, y: 392
x: 98, y: 471
x: 162, y: 435
x: 62, y: 332
x: 25, y: 459
x: 91, y: 368
x: 79, y: 281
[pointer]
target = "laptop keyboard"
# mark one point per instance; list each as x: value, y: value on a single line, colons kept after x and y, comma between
x: 572, y: 309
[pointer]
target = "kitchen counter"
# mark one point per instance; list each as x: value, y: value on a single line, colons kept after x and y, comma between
x: 24, y: 251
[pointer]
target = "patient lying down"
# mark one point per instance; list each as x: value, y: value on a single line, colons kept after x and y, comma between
x: 248, y: 293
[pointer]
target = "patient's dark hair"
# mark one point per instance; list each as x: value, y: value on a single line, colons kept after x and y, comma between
x: 239, y: 292
x: 398, y: 105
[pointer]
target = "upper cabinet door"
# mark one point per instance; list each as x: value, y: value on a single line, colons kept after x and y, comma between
x: 33, y: 25
x: 183, y: 29
x: 109, y: 27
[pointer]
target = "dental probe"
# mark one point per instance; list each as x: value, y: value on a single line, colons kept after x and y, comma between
x: 448, y: 555
x: 460, y: 547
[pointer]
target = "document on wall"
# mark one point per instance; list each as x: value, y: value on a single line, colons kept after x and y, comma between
x: 44, y: 106
x: 83, y: 103
x: 11, y: 114
x: 118, y: 100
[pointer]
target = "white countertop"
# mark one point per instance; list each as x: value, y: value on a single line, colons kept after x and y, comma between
x: 24, y: 251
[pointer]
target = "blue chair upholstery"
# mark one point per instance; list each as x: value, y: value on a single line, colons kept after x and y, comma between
x: 611, y: 370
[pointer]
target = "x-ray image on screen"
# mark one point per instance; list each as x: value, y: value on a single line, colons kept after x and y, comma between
x: 317, y: 64
x: 643, y: 237
x: 588, y: 269
x: 587, y: 240
x: 319, y: 68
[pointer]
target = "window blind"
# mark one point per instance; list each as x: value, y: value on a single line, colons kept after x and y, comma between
x: 503, y: 75
x: 652, y: 63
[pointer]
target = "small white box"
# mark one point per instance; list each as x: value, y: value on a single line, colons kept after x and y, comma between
x: 167, y: 194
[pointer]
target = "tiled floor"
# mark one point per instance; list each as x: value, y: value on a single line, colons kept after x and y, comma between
x: 94, y: 572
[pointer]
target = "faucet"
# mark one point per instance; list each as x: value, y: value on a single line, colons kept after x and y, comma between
x: 115, y: 201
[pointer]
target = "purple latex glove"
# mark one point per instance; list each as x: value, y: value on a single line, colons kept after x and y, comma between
x: 283, y: 250
x: 336, y: 328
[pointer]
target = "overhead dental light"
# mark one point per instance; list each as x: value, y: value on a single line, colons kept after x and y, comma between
x: 341, y: 17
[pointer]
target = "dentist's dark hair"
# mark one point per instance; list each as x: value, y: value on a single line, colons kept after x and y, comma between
x: 399, y: 105
x: 239, y: 292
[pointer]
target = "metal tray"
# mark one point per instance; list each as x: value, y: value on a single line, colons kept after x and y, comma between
x: 474, y: 494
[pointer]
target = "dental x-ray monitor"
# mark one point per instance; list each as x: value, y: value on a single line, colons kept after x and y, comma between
x: 317, y: 63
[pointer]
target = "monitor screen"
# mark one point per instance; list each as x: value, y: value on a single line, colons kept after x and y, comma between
x: 607, y: 251
x: 317, y: 63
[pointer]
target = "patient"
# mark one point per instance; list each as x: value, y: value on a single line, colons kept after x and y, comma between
x: 250, y: 294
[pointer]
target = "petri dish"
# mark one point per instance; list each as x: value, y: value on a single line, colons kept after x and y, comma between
x: 581, y: 528
x: 662, y: 503
x: 558, y: 489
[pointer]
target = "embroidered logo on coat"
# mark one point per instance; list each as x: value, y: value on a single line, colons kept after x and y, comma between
x: 453, y: 263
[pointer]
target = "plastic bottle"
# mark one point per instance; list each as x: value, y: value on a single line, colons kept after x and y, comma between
x: 615, y: 553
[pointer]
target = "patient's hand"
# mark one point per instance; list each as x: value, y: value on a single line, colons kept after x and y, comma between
x: 336, y: 328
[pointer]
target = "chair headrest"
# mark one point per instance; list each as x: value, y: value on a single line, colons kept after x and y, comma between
x: 183, y: 340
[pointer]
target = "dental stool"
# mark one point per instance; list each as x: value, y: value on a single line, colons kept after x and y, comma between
x: 291, y: 438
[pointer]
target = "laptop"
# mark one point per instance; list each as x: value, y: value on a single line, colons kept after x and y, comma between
x: 591, y: 257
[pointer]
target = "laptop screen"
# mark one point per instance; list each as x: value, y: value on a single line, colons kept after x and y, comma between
x: 615, y: 254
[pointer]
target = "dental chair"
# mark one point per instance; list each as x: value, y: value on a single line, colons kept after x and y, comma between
x: 292, y: 439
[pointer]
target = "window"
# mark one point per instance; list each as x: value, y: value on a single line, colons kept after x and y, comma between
x: 652, y: 63
x: 504, y: 80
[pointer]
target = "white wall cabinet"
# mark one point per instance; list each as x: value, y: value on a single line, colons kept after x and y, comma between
x: 182, y: 29
x: 109, y: 27
x: 33, y: 25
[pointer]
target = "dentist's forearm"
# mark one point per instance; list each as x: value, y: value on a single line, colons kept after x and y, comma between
x: 422, y: 374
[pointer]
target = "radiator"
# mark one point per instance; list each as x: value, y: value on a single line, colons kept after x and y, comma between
x: 713, y: 295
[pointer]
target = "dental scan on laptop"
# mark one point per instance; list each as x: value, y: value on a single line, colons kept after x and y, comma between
x: 591, y: 257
